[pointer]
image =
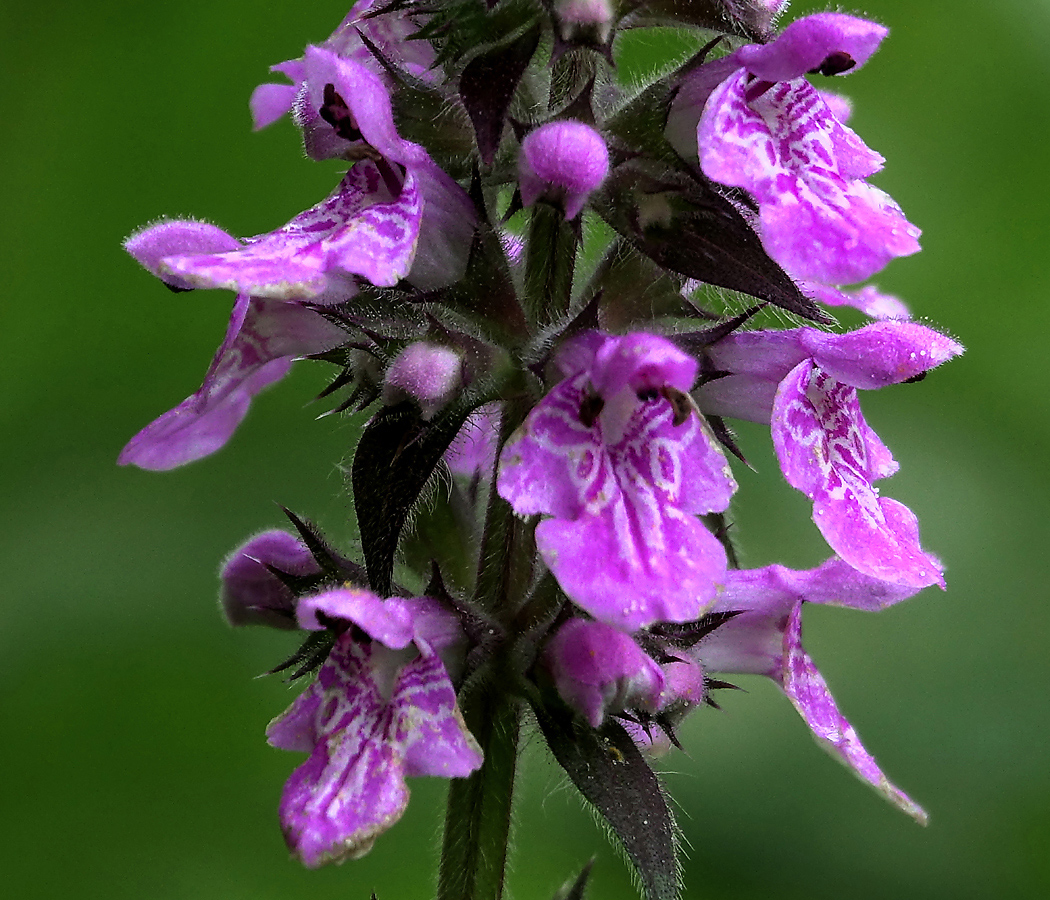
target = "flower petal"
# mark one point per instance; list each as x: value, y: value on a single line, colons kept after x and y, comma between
x: 817, y: 217
x: 352, y: 788
x: 808, y: 692
x: 359, y: 229
x: 261, y: 341
x: 600, y: 670
x: 807, y: 42
x: 822, y: 442
x: 388, y: 621
x: 430, y: 727
x: 251, y: 593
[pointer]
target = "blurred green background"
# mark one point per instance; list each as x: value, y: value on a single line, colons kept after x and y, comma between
x: 133, y: 756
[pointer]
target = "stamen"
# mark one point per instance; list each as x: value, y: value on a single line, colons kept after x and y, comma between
x: 835, y: 64
x: 336, y: 113
x: 590, y: 408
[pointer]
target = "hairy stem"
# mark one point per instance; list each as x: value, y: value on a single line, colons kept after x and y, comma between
x: 478, y: 816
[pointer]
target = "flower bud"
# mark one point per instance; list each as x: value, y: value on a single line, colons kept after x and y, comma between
x: 599, y: 669
x: 584, y: 18
x: 562, y: 162
x: 428, y: 373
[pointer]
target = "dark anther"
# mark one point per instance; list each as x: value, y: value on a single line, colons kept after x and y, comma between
x: 681, y: 403
x: 915, y: 378
x: 337, y: 114
x: 648, y: 394
x: 590, y: 408
x: 835, y: 64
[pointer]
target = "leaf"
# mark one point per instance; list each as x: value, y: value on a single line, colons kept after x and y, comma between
x: 579, y: 886
x: 396, y: 455
x: 695, y: 231
x: 610, y: 772
x: 487, y: 86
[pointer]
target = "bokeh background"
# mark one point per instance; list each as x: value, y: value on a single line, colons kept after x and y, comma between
x: 132, y: 750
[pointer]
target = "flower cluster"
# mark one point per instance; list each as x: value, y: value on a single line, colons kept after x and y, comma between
x: 531, y: 279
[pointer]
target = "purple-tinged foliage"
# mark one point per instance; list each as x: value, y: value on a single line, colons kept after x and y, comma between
x: 380, y: 710
x: 599, y: 671
x: 262, y: 339
x: 562, y: 162
x: 766, y: 639
x: 617, y: 458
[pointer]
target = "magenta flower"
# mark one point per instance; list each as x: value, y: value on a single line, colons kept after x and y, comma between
x: 766, y: 639
x: 617, y: 459
x: 382, y: 709
x: 764, y: 128
x: 262, y: 339
x: 804, y: 382
x: 394, y: 215
x: 562, y: 162
x: 389, y: 32
x: 251, y: 593
x: 598, y: 671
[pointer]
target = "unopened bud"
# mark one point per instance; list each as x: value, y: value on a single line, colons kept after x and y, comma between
x: 428, y: 373
x: 562, y: 162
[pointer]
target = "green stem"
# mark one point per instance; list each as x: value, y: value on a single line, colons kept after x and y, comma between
x: 478, y: 816
x: 550, y: 259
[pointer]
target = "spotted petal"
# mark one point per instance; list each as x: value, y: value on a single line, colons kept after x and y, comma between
x: 361, y: 228
x: 827, y: 451
x: 624, y: 490
x: 369, y: 720
x: 817, y: 216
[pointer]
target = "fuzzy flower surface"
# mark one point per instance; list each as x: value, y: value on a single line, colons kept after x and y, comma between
x: 764, y: 128
x: 622, y: 469
x: 382, y: 709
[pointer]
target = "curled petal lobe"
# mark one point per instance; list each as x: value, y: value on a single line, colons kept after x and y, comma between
x: 808, y: 692
x: 251, y: 593
x: 261, y: 341
x: 387, y: 621
x: 825, y: 451
x: 765, y: 638
x: 599, y: 670
x: 151, y: 245
x: 806, y: 45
